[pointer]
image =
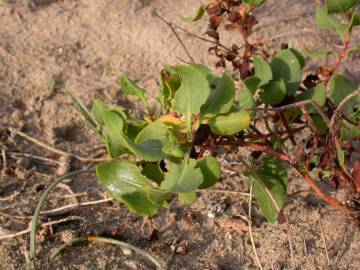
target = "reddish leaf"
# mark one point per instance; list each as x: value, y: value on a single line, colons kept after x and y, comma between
x: 215, y: 22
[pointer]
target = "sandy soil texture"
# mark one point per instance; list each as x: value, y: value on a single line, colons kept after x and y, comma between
x: 47, y: 46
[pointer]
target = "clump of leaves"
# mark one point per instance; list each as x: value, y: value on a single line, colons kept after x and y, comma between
x: 173, y: 150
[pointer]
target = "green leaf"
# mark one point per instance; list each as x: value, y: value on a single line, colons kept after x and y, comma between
x: 329, y: 21
x: 316, y: 54
x: 153, y: 171
x: 320, y: 123
x: 84, y: 112
x: 192, y: 94
x: 187, y: 198
x: 252, y: 83
x: 270, y: 185
x: 253, y: 3
x: 134, y: 127
x: 230, y: 123
x: 262, y: 70
x: 211, y: 171
x: 246, y: 100
x: 125, y: 183
x: 285, y: 66
x: 222, y: 98
x: 317, y: 93
x: 349, y: 131
x: 341, y: 156
x: 273, y: 93
x: 355, y: 21
x: 128, y: 87
x: 97, y: 110
x: 118, y: 143
x: 212, y: 79
x: 338, y: 6
x: 340, y: 88
x: 170, y: 84
x: 299, y: 57
x: 182, y: 178
x: 153, y: 131
x: 200, y: 12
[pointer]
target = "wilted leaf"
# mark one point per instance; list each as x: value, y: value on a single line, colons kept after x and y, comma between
x: 338, y: 6
x: 285, y: 66
x: 222, y: 98
x: 273, y: 93
x: 210, y: 168
x: 230, y: 123
x: 130, y: 88
x: 182, y: 178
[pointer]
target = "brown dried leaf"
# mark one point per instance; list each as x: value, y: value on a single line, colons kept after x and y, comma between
x: 236, y: 224
x: 356, y: 174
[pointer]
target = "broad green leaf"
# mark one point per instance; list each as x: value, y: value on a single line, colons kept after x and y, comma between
x: 349, y: 131
x: 170, y: 84
x: 252, y: 83
x: 262, y: 70
x: 212, y: 79
x: 230, y: 123
x: 320, y: 123
x: 285, y: 66
x: 125, y: 183
x: 134, y: 127
x: 187, y: 198
x: 270, y: 185
x: 118, y: 143
x: 245, y: 99
x: 182, y: 178
x: 316, y: 54
x: 355, y: 21
x: 253, y: 3
x: 200, y: 12
x: 155, y: 130
x: 317, y: 93
x: 340, y: 88
x: 211, y: 171
x: 329, y: 21
x: 98, y: 109
x: 130, y: 88
x: 338, y: 6
x: 153, y: 171
x: 273, y: 93
x: 222, y: 98
x: 173, y: 149
x: 84, y: 112
x: 192, y: 94
x: 299, y: 56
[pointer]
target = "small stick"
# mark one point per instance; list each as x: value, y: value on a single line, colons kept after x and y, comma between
x: 52, y: 161
x: 171, y: 25
x: 12, y: 235
x: 3, y: 153
x: 257, y: 260
x: 55, y: 150
x: 325, y: 245
x: 224, y: 192
x: 12, y: 196
x: 110, y: 241
x: 59, y: 209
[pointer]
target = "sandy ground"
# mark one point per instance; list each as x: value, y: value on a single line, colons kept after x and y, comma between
x: 47, y: 46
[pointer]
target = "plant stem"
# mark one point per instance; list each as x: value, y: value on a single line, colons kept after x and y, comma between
x: 110, y: 241
x: 35, y: 219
